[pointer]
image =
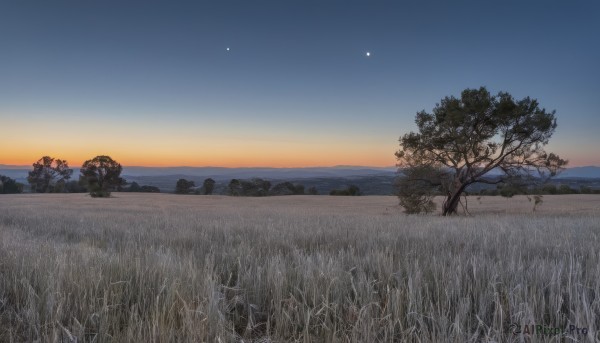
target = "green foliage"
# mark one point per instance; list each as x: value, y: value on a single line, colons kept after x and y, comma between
x: 477, y: 133
x: 102, y: 174
x: 10, y: 186
x: 184, y: 186
x: 47, y: 174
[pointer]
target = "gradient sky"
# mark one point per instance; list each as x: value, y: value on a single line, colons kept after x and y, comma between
x: 151, y: 83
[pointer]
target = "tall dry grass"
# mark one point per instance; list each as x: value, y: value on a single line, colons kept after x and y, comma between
x: 164, y: 268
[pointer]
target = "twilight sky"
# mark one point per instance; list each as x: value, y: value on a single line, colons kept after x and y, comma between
x: 152, y: 83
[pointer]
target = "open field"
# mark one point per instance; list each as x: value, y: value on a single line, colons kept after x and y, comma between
x: 164, y: 268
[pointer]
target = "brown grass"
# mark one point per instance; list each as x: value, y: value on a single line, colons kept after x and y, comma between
x: 163, y: 268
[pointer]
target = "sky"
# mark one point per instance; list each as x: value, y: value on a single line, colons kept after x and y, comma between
x: 280, y: 83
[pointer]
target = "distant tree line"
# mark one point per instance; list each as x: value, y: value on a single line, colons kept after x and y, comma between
x: 509, y: 190
x: 255, y: 187
x: 99, y: 176
x: 352, y: 190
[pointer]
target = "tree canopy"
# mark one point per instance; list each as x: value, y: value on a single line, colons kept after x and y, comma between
x: 184, y: 186
x: 102, y: 174
x: 10, y: 186
x: 47, y: 173
x: 466, y: 138
x: 208, y: 186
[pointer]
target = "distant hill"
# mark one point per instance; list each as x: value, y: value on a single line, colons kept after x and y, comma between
x: 581, y: 172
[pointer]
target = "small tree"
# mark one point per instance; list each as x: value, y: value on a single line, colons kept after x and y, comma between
x: 47, y: 172
x: 235, y: 188
x: 102, y: 174
x: 134, y: 187
x: 208, y: 186
x: 184, y: 186
x: 352, y: 190
x: 10, y: 186
x: 468, y: 137
x: 417, y: 187
x: 313, y: 190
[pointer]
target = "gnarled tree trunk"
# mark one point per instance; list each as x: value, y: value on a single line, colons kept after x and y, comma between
x: 452, y: 201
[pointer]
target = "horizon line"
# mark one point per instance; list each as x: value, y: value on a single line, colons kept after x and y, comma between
x: 261, y: 167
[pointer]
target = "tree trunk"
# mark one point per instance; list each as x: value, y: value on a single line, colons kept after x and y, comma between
x: 452, y: 201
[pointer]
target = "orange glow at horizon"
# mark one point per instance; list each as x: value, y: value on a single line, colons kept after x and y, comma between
x: 267, y: 158
x: 217, y: 154
x: 163, y: 143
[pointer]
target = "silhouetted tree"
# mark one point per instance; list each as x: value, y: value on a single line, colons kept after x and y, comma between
x: 134, y: 187
x: 102, y: 174
x: 313, y: 190
x: 352, y: 190
x: 467, y: 138
x: 287, y: 188
x: 10, y: 186
x: 46, y: 173
x: 298, y: 189
x: 149, y: 189
x: 184, y: 186
x: 208, y: 186
x: 234, y: 188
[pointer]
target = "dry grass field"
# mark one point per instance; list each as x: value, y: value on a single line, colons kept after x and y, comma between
x: 168, y: 268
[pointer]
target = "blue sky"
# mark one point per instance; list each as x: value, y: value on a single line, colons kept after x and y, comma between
x: 295, y: 88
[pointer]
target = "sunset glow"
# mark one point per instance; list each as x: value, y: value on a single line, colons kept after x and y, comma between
x: 181, y: 86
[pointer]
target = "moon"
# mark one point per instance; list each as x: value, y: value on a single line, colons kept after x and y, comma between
x: 227, y: 49
x: 368, y: 54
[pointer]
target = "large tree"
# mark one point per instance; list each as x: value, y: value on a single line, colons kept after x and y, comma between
x: 102, y: 174
x: 47, y: 173
x: 466, y: 138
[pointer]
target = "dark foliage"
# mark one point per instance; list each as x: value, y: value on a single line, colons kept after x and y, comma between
x: 287, y: 188
x: 470, y: 136
x: 134, y: 187
x: 352, y: 190
x: 417, y: 187
x: 10, y: 186
x: 252, y: 188
x: 208, y: 186
x: 102, y: 175
x: 49, y: 175
x: 184, y: 186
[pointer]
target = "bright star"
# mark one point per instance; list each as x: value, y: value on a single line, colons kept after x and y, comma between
x: 368, y: 54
